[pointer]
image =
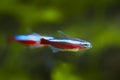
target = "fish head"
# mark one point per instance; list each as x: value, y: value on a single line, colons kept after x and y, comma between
x: 86, y: 45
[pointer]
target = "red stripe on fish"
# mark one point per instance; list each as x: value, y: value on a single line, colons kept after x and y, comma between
x: 63, y: 45
x: 29, y: 42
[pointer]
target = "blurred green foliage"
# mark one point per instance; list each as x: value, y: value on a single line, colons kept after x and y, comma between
x: 91, y: 20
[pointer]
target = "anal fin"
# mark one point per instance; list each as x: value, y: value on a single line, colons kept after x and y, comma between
x: 54, y: 49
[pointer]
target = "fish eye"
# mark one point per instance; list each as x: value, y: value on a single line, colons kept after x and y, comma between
x: 85, y: 44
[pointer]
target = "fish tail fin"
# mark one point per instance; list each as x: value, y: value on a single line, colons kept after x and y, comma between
x: 44, y: 41
x: 10, y: 39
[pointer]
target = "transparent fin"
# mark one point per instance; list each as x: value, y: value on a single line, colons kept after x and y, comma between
x: 62, y: 34
x: 54, y: 49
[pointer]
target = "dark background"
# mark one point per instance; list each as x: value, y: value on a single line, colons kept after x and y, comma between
x: 96, y: 21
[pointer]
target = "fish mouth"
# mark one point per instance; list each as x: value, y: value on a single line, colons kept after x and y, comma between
x: 90, y: 46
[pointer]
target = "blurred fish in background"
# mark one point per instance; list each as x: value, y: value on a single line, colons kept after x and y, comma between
x: 32, y: 40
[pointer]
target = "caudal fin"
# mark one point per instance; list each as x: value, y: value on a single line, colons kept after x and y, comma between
x: 44, y: 41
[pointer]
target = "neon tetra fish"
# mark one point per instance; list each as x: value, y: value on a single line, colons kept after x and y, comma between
x: 32, y: 40
x: 67, y: 44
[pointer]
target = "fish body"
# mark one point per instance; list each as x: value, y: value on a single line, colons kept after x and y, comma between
x: 30, y: 39
x: 66, y: 44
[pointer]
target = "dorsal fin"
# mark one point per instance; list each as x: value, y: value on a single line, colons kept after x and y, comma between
x: 62, y: 34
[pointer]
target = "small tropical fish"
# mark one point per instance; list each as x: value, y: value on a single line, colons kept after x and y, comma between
x: 66, y: 44
x: 32, y: 40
